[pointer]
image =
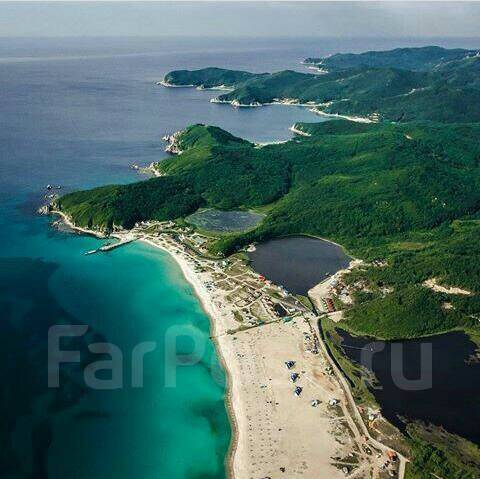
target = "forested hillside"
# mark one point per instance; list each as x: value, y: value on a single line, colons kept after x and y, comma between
x: 208, y: 77
x: 405, y: 193
x: 419, y: 59
x: 408, y: 194
x: 428, y: 83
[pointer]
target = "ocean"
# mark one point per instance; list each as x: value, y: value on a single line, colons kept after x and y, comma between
x: 78, y: 113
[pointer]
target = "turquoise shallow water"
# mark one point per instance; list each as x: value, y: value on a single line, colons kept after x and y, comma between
x: 144, y: 295
x: 129, y: 296
x: 80, y: 121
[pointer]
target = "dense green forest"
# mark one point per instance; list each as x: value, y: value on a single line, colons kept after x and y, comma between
x: 405, y: 193
x: 208, y: 77
x: 417, y: 58
x: 408, y: 194
x: 429, y: 461
x: 429, y: 83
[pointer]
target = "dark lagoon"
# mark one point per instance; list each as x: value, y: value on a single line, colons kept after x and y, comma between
x: 298, y: 262
x: 447, y: 396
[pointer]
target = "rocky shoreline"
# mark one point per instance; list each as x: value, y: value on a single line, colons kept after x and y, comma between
x: 173, y: 146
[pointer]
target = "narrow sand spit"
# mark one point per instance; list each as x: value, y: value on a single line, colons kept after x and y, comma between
x: 323, y: 289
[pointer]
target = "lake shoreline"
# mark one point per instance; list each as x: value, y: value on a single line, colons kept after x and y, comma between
x: 434, y: 400
x: 299, y: 262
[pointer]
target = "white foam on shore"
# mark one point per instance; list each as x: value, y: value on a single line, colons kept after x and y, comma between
x: 281, y: 102
x: 261, y: 144
x: 215, y: 88
x: 299, y: 132
x: 356, y: 119
x: 319, y: 70
x: 170, y: 85
x: 285, y: 102
x: 236, y: 103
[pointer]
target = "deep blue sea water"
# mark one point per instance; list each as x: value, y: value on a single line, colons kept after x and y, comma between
x: 78, y: 113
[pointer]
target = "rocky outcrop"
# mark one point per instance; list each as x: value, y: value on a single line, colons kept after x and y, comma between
x: 172, y: 143
x: 45, y: 209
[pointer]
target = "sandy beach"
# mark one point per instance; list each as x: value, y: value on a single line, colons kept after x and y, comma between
x: 272, y: 427
x: 275, y: 433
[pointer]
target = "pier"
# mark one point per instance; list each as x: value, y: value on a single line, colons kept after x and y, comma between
x: 110, y: 247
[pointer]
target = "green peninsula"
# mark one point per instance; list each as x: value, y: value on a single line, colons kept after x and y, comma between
x: 377, y: 86
x: 408, y: 194
x: 417, y: 58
